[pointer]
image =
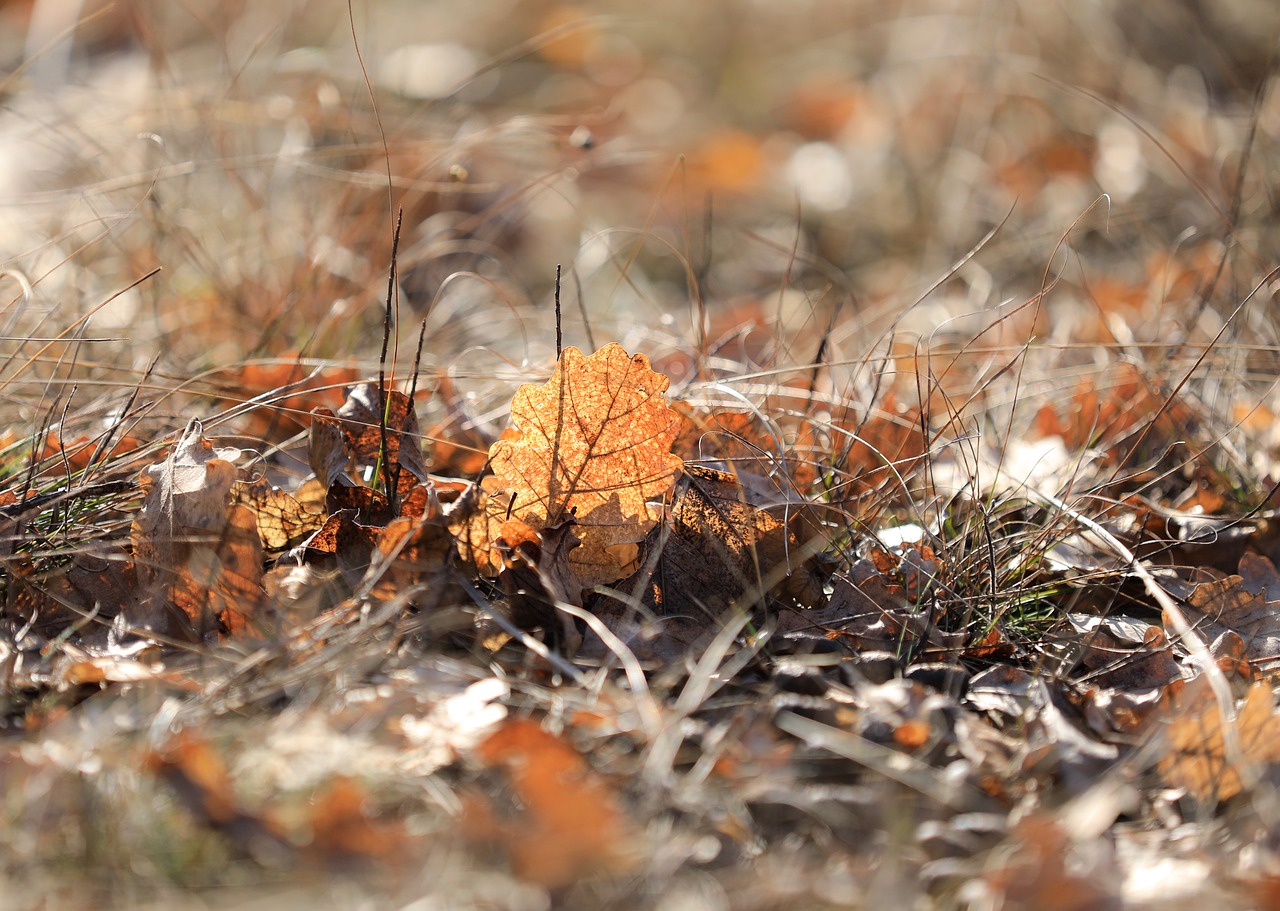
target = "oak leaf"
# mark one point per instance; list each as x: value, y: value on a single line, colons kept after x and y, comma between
x: 1245, y: 604
x: 594, y: 447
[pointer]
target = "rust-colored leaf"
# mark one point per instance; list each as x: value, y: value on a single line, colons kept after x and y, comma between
x: 536, y: 575
x: 880, y: 447
x: 199, y: 779
x: 87, y: 584
x: 78, y: 454
x: 411, y: 555
x: 288, y: 389
x: 345, y: 544
x: 362, y: 421
x: 344, y: 832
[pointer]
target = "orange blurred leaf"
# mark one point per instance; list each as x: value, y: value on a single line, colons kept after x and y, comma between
x: 1198, y: 758
x: 569, y: 824
x: 344, y: 831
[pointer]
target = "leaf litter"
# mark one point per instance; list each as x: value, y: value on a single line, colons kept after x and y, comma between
x: 873, y: 673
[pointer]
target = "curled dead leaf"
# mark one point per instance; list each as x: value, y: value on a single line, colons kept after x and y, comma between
x: 194, y: 550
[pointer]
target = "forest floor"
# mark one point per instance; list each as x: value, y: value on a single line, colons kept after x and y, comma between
x: 526, y: 455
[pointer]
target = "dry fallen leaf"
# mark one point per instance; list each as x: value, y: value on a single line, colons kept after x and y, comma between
x: 283, y: 522
x: 327, y: 447
x: 345, y: 833
x: 721, y: 548
x: 201, y: 782
x: 593, y: 447
x: 1198, y: 758
x: 290, y: 388
x: 362, y: 422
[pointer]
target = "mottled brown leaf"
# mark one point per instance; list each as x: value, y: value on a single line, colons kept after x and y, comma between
x: 1240, y: 604
x: 348, y: 543
x: 327, y: 447
x: 362, y: 422
x: 722, y: 548
x: 283, y: 522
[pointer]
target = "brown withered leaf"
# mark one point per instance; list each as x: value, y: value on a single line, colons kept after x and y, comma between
x: 722, y: 548
x: 1112, y: 665
x: 327, y: 447
x: 86, y: 584
x: 194, y: 550
x: 134, y: 663
x: 457, y: 444
x: 871, y: 610
x: 346, y: 834
x: 1197, y: 757
x: 1241, y: 604
x: 594, y: 445
x: 291, y: 388
x: 412, y: 553
x: 1034, y: 873
x: 283, y: 522
x: 345, y: 544
x: 369, y: 506
x: 361, y: 417
x: 665, y: 640
x: 536, y: 575
x: 879, y: 447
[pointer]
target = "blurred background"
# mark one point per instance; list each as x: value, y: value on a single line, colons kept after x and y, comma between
x: 734, y: 187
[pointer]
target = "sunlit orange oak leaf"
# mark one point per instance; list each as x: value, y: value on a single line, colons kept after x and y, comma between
x: 594, y: 446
